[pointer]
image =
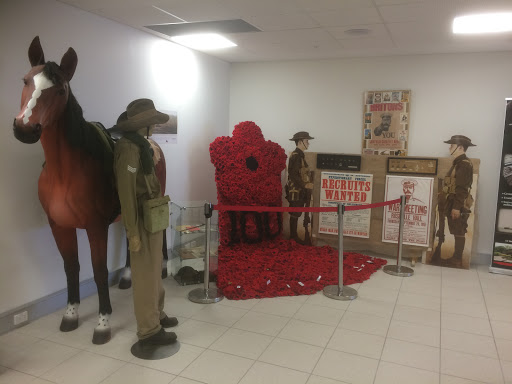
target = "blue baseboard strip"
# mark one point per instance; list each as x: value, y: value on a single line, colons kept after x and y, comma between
x: 51, y: 303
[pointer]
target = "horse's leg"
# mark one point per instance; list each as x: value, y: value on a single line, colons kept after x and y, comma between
x: 68, y: 248
x: 126, y: 279
x: 98, y: 235
x: 165, y: 256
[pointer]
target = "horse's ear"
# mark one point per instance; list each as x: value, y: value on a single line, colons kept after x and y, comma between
x: 35, y: 52
x: 68, y: 63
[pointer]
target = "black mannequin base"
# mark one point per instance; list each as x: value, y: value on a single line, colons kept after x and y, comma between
x: 154, y: 352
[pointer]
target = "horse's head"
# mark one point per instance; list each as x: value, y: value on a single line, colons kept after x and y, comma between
x: 45, y: 93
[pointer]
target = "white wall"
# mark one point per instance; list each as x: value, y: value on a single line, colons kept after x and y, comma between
x: 116, y: 64
x: 451, y: 94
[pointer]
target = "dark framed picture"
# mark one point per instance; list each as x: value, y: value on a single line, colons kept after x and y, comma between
x: 412, y: 165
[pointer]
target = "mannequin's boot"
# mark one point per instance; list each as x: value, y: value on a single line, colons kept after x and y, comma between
x: 293, y: 230
x: 456, y: 260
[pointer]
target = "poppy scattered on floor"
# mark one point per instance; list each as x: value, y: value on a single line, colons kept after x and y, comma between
x: 286, y: 268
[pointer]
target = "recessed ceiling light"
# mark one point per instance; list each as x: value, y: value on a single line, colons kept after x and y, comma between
x: 483, y: 23
x: 203, y: 41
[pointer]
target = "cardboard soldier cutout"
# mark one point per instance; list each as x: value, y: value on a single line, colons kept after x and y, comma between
x: 455, y: 201
x: 299, y: 187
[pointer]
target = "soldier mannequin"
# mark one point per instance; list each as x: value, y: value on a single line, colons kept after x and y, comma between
x: 299, y: 185
x: 133, y: 166
x: 456, y: 187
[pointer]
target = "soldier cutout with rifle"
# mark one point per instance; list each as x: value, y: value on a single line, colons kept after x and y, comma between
x: 299, y: 186
x: 455, y: 201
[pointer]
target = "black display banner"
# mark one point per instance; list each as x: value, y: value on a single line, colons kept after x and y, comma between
x: 502, y: 249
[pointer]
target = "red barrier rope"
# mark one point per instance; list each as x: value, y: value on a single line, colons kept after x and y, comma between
x: 250, y: 208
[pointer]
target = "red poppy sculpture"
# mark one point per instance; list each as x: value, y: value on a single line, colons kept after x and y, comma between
x: 254, y: 261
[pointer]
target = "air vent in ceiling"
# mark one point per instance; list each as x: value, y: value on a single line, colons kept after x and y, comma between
x: 357, y: 31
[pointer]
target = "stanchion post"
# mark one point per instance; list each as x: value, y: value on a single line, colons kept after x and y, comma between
x: 398, y: 270
x: 206, y: 295
x: 340, y: 292
x: 341, y: 216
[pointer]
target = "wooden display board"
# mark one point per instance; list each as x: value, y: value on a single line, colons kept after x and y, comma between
x: 377, y: 166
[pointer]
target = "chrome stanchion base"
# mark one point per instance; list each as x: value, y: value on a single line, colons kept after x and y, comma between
x: 205, y: 296
x: 334, y: 292
x: 395, y: 270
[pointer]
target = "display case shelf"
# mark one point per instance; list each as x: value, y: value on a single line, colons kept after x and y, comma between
x: 188, y: 241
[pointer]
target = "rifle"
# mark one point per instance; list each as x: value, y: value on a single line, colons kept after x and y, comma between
x: 441, y: 205
x: 308, y: 219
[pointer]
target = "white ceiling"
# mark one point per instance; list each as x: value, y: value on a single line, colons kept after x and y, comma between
x: 315, y: 29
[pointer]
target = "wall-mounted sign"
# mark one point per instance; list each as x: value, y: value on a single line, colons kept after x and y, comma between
x: 418, y: 193
x: 167, y: 133
x: 502, y: 249
x: 350, y: 189
x: 386, y: 122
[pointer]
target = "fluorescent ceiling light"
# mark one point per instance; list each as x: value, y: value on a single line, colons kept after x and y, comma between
x: 483, y: 23
x: 203, y: 41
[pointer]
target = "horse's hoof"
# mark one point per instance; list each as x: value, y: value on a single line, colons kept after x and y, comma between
x: 101, y: 336
x: 68, y: 324
x: 164, y: 273
x: 125, y: 283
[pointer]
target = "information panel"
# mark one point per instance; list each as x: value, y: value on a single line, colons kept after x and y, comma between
x: 418, y: 193
x: 350, y: 189
x: 502, y: 249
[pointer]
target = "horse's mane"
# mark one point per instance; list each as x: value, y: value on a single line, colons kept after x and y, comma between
x: 80, y: 133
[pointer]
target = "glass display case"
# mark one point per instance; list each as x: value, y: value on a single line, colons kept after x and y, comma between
x: 188, y: 241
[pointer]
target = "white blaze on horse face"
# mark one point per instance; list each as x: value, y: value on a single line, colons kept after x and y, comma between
x: 41, y: 82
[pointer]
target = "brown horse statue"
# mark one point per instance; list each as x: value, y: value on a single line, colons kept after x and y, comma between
x: 76, y: 187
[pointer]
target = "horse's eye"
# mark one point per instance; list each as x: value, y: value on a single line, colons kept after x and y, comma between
x: 62, y: 92
x: 25, y: 81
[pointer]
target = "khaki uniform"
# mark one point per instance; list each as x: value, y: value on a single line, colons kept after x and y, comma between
x: 457, y: 185
x: 298, y: 177
x: 146, y: 264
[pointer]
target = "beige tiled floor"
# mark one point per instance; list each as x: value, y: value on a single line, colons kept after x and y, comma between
x: 441, y: 326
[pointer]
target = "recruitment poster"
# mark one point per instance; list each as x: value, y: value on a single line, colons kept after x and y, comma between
x: 386, y: 116
x: 349, y: 189
x: 418, y: 195
x: 502, y: 249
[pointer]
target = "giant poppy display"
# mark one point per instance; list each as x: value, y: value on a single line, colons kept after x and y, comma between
x: 254, y: 261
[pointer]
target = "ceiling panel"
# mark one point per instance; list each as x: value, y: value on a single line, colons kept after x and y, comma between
x: 406, y: 12
x: 297, y: 37
x: 315, y: 29
x: 198, y: 10
x: 142, y: 14
x: 258, y: 7
x: 277, y: 22
x: 347, y: 17
x: 89, y: 5
x: 330, y: 5
x: 384, y: 45
x: 393, y: 2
